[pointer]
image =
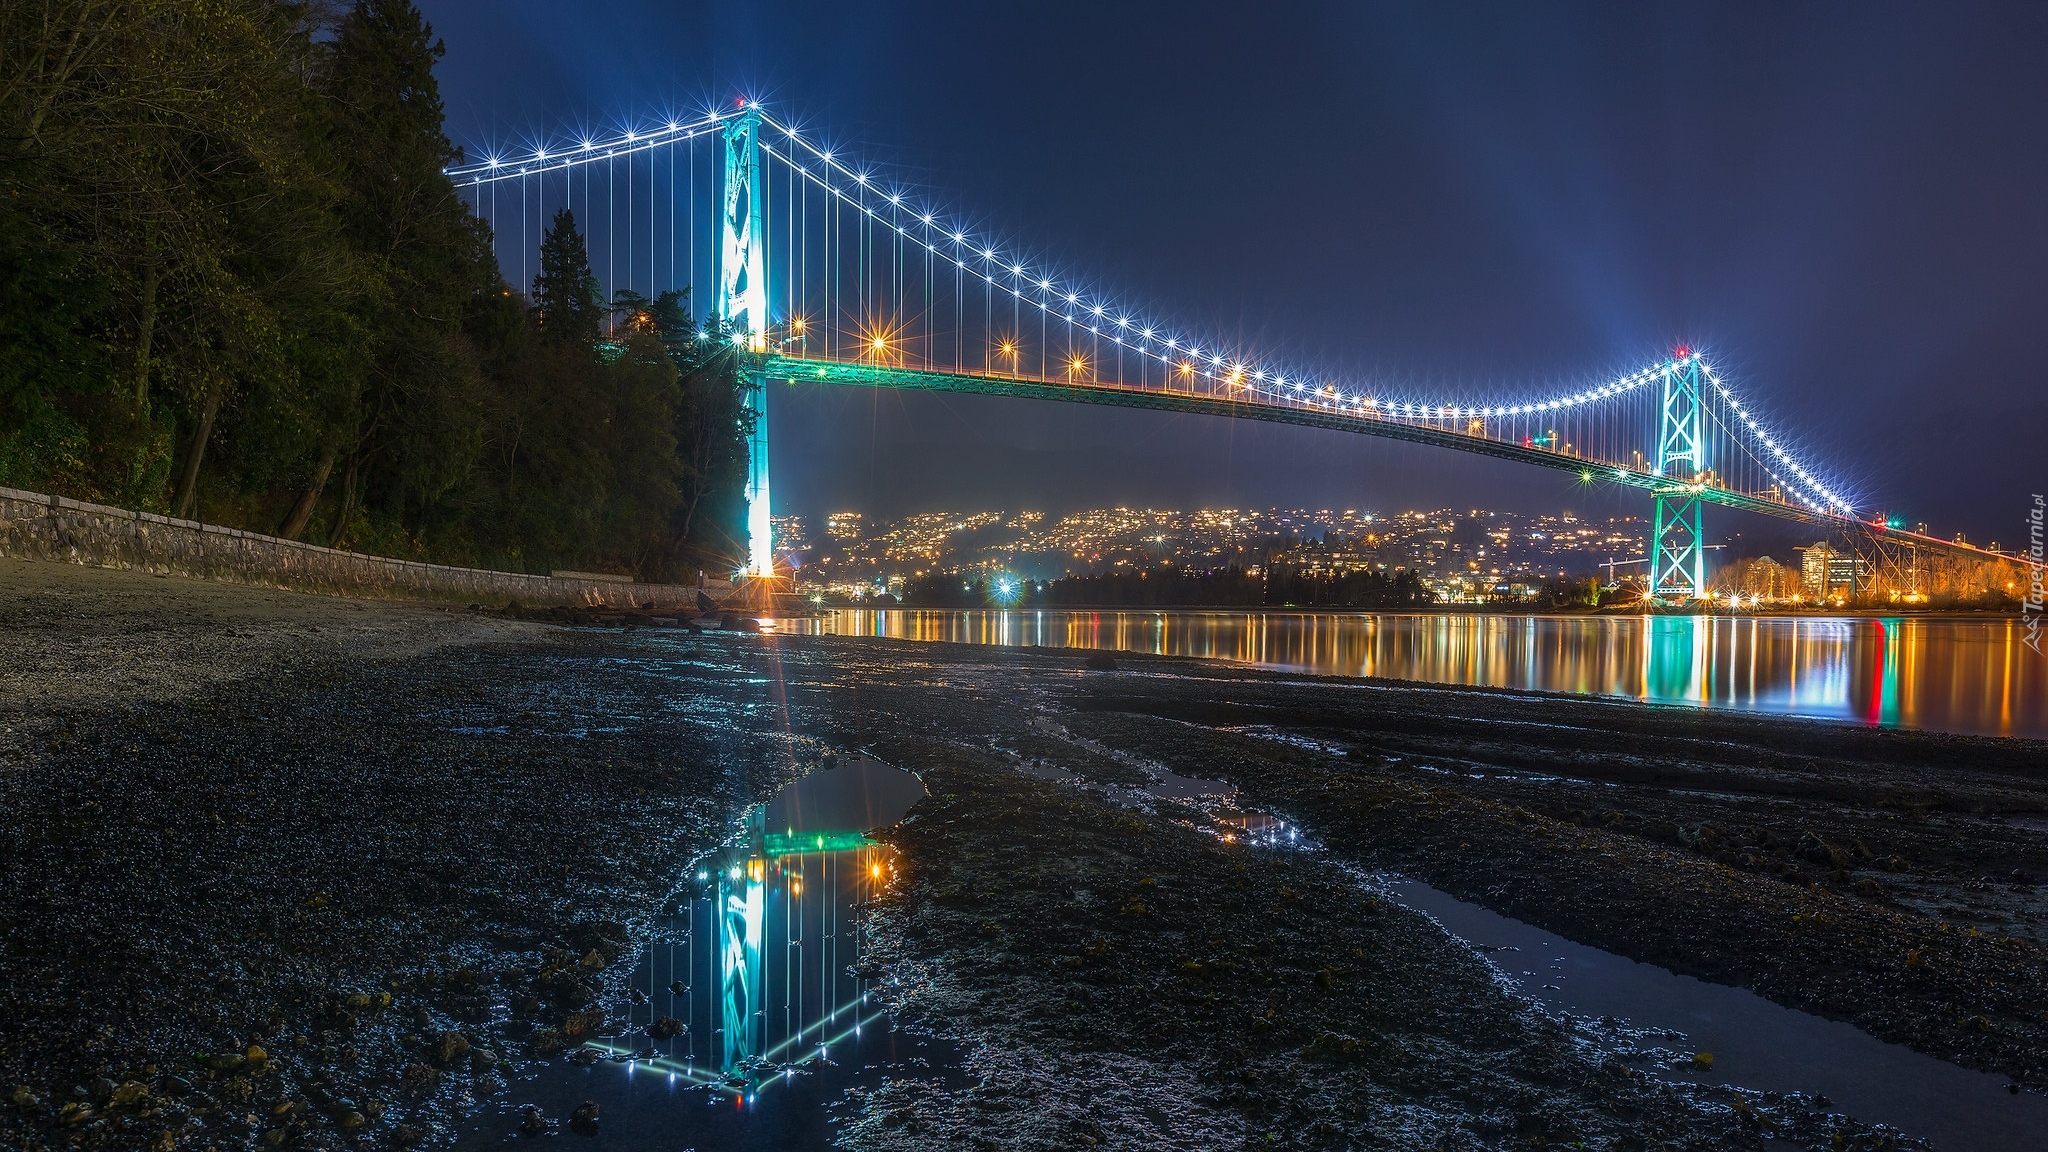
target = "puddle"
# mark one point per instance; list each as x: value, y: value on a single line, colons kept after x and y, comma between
x: 1168, y: 786
x: 1052, y: 772
x: 1280, y: 736
x: 1754, y: 1043
x: 749, y: 1014
x: 1257, y: 828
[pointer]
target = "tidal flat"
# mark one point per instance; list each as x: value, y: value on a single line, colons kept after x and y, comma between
x: 285, y: 871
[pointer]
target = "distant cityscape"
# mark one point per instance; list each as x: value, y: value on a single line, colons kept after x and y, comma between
x: 1469, y: 556
x: 1466, y: 555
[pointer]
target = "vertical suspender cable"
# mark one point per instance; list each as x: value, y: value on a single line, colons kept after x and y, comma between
x: 611, y: 249
x: 629, y: 220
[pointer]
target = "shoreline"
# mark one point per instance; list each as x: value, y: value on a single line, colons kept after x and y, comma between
x: 283, y: 804
x: 1817, y: 613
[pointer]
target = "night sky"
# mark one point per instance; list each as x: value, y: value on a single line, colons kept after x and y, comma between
x: 1845, y: 205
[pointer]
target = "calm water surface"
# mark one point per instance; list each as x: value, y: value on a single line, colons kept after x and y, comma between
x: 1953, y: 674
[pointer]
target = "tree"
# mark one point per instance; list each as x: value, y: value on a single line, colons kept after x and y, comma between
x: 236, y: 283
x: 159, y: 153
x: 411, y: 434
x: 566, y: 295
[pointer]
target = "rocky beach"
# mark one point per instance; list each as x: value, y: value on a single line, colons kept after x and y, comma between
x: 289, y: 871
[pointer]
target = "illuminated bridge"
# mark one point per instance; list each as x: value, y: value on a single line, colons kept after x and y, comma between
x: 828, y: 270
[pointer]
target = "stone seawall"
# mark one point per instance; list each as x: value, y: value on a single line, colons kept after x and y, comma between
x: 34, y: 526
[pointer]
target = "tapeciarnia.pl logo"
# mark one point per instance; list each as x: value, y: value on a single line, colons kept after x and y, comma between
x: 2031, y: 608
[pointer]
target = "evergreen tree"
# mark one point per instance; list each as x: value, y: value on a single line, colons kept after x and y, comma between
x: 412, y: 433
x: 565, y: 292
x: 232, y: 268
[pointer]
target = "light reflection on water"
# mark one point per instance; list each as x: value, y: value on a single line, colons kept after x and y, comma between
x: 749, y: 1011
x: 1954, y: 674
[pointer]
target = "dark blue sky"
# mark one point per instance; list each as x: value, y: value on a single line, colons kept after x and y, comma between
x: 1844, y: 204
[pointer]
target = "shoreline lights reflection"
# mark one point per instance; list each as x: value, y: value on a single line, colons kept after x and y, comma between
x: 1957, y: 674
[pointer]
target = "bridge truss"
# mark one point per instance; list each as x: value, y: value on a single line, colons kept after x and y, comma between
x: 828, y: 271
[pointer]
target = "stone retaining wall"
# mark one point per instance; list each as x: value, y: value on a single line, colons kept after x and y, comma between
x: 38, y: 527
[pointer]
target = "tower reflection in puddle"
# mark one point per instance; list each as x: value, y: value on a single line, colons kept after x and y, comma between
x: 752, y: 996
x: 758, y: 977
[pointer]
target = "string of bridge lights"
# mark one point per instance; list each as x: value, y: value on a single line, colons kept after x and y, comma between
x: 494, y: 168
x: 1093, y: 316
x: 1212, y: 365
x: 1086, y: 311
x: 1777, y: 450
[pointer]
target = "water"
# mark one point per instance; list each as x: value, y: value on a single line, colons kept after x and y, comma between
x: 1954, y: 674
x: 1754, y: 1043
x: 751, y: 1009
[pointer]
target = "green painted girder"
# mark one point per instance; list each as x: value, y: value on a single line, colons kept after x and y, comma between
x: 797, y: 370
x: 801, y: 370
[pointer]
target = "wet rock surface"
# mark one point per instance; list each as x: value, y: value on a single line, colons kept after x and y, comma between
x: 312, y: 906
x: 339, y: 897
x: 1864, y: 875
x: 1130, y: 980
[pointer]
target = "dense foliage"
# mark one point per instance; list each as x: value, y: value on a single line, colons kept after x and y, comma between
x: 1280, y: 586
x: 235, y: 285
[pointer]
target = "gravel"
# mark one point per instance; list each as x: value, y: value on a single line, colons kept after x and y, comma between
x: 287, y: 871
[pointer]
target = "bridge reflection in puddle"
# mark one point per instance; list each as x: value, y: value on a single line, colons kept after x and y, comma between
x: 750, y: 1012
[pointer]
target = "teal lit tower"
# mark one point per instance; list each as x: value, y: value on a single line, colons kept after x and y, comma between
x: 743, y: 304
x: 1677, y: 549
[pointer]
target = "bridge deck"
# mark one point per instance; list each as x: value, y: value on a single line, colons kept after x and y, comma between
x: 871, y: 375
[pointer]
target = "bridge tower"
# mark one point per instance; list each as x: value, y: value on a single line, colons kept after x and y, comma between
x: 743, y: 305
x: 1677, y: 549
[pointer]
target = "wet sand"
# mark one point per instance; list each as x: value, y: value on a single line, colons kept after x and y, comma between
x: 220, y: 828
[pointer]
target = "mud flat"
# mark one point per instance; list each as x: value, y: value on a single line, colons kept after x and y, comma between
x: 263, y: 885
x: 280, y: 870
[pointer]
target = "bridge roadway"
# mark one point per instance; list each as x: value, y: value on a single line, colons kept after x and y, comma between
x: 815, y: 370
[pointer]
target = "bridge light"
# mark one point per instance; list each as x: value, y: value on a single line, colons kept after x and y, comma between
x: 880, y: 344
x: 1187, y: 369
x: 540, y: 153
x: 587, y: 145
x: 1072, y: 298
x: 1077, y: 364
x: 895, y: 199
x: 672, y: 126
x: 959, y: 237
x: 630, y: 136
x: 1147, y: 333
x: 1045, y: 285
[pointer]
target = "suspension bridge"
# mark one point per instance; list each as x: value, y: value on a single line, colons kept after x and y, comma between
x: 828, y: 271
